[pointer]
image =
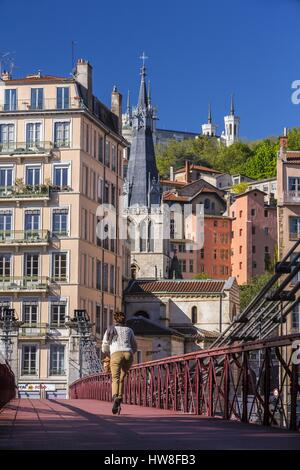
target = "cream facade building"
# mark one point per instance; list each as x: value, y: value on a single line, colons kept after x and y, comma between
x: 60, y: 159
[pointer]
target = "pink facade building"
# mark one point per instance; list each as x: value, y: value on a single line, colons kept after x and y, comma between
x: 254, y: 235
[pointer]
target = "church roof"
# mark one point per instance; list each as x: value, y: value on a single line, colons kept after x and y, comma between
x: 179, y: 286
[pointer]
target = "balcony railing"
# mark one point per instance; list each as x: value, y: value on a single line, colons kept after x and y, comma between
x: 47, y: 104
x: 26, y: 148
x: 12, y: 237
x: 21, y: 283
x: 34, y: 330
x: 292, y: 197
x: 57, y: 372
x: 25, y: 192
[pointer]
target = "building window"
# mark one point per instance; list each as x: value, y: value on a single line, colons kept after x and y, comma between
x: 33, y: 175
x: 296, y: 317
x: 7, y: 136
x: 253, y: 249
x: 61, y: 176
x: 107, y: 153
x: 10, y: 100
x: 253, y: 230
x: 241, y: 265
x: 106, y: 193
x: 32, y: 223
x: 59, y: 267
x: 253, y: 212
x: 62, y: 134
x: 5, y: 265
x: 60, y: 222
x: 37, y: 98
x: 294, y: 228
x: 266, y: 212
x: 232, y: 214
x: 100, y: 190
x: 191, y: 266
x: 105, y: 277
x: 113, y: 195
x: 241, y: 232
x: 202, y: 253
x: 241, y: 214
x: 254, y: 264
x: 62, y: 97
x: 5, y: 224
x: 215, y: 223
x: 33, y: 134
x: 293, y: 184
x: 240, y: 249
x: 100, y: 149
x: 206, y: 204
x: 58, y: 313
x: 31, y: 265
x: 29, y: 359
x: 112, y: 280
x: 57, y: 359
x: 113, y: 157
x: 194, y: 315
x: 6, y: 177
x: 98, y: 319
x: 30, y: 313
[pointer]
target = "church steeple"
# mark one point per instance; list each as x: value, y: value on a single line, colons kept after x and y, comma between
x: 142, y: 175
x: 209, y: 119
x: 209, y: 128
x: 128, y: 105
x: 232, y: 125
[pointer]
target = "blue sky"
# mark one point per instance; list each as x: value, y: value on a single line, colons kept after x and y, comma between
x: 198, y: 50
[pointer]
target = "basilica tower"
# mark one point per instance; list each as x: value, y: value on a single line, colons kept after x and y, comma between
x: 232, y: 126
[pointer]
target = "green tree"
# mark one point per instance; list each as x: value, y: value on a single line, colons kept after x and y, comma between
x: 249, y: 291
x: 263, y: 162
x: 294, y: 139
x: 201, y: 276
x: 240, y: 188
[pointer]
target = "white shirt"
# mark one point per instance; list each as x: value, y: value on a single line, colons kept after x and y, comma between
x: 124, y: 341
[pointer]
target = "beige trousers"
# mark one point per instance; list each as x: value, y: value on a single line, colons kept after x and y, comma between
x: 120, y: 363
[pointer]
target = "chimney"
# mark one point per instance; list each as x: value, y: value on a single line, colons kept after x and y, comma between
x: 283, y: 140
x: 187, y: 171
x: 5, y: 75
x: 171, y: 173
x: 84, y: 72
x: 116, y: 106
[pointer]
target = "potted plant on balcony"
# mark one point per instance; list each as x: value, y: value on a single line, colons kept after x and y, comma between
x: 19, y: 186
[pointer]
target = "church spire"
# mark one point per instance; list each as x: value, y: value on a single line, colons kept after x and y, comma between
x: 149, y: 94
x: 231, y: 105
x: 209, y: 119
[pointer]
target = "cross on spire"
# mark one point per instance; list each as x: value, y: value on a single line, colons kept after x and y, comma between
x: 143, y: 57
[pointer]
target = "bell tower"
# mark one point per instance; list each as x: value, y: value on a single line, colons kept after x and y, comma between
x: 232, y: 126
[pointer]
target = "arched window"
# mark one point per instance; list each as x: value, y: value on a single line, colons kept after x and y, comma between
x: 150, y: 236
x: 133, y: 271
x: 206, y: 203
x: 194, y: 315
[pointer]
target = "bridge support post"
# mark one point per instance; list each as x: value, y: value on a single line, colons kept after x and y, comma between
x: 226, y: 387
x: 245, y: 387
x: 267, y: 388
x: 294, y: 391
x: 210, y: 411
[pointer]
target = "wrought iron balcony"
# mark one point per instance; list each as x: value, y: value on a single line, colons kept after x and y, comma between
x: 34, y: 330
x: 23, y: 283
x: 27, y: 191
x: 24, y: 237
x: 22, y: 149
x: 48, y: 104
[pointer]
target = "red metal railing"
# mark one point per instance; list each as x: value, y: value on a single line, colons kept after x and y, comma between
x: 255, y: 382
x: 7, y: 384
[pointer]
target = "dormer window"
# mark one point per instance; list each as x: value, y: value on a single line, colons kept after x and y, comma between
x: 62, y: 98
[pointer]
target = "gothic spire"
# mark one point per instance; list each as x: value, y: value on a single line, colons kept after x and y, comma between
x: 149, y: 93
x: 142, y: 102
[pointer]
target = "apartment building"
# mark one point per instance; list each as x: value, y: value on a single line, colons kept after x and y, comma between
x: 60, y: 159
x: 254, y: 235
x: 288, y: 209
x: 213, y: 259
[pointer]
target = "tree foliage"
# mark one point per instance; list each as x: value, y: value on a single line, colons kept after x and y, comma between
x: 249, y: 291
x: 240, y: 188
x: 294, y: 139
x: 256, y: 160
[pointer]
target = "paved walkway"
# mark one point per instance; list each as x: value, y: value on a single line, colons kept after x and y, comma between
x: 89, y: 424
